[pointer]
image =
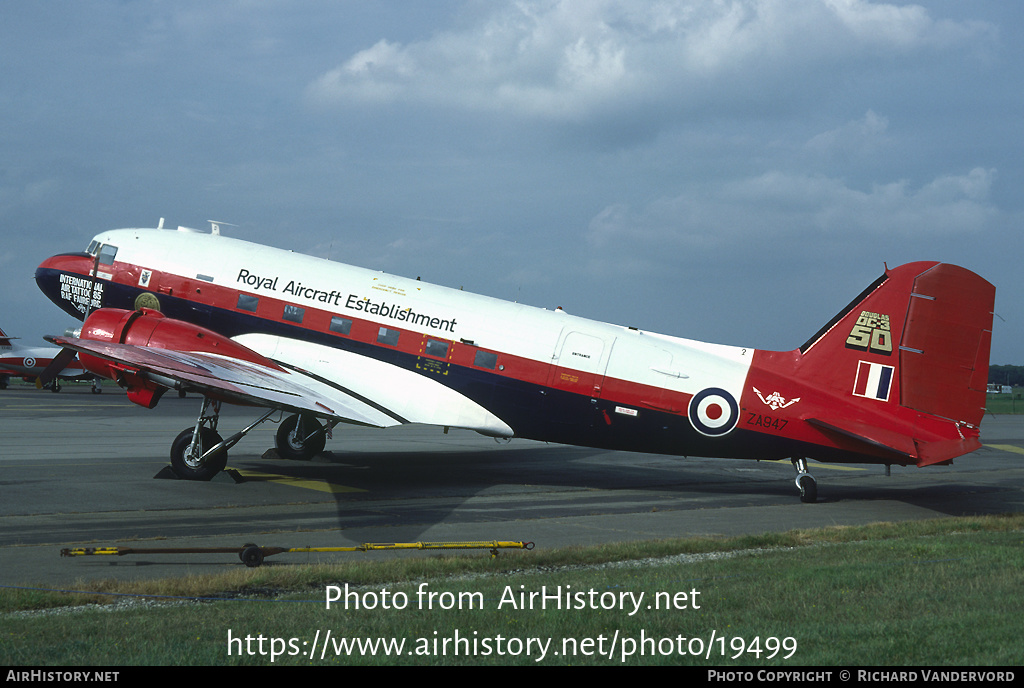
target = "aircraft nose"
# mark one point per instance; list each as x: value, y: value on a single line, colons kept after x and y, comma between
x: 67, y: 281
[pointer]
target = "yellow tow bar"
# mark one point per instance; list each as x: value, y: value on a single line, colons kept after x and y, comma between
x: 253, y: 555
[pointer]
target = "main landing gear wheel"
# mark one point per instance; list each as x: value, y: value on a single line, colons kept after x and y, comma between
x: 300, y: 438
x: 189, y: 464
x: 805, y: 481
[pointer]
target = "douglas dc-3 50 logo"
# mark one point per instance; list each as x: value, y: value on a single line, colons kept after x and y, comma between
x: 775, y: 400
x: 871, y: 333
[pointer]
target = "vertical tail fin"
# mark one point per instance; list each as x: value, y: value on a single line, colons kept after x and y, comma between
x: 918, y: 337
x: 908, y: 362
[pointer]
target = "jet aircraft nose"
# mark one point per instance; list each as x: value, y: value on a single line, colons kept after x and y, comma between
x: 67, y: 280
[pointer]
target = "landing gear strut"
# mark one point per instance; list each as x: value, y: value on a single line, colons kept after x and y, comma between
x: 805, y: 481
x: 199, y: 453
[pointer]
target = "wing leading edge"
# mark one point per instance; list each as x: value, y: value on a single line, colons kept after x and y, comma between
x: 232, y: 379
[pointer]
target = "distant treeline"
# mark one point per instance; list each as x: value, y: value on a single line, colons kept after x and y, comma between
x: 1006, y: 375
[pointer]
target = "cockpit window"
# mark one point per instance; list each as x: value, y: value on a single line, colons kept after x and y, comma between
x: 107, y: 253
x: 93, y: 246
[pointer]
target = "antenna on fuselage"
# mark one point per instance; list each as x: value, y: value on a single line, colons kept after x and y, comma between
x: 215, y: 226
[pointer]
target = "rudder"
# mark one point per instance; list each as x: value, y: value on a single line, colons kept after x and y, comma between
x: 944, y: 352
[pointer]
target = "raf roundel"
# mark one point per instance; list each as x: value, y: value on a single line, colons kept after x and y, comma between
x: 713, y: 412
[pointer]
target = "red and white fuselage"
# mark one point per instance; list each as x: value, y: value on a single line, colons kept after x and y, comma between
x: 893, y: 379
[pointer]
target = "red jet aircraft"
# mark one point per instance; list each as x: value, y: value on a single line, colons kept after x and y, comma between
x: 897, y: 377
x: 29, y: 362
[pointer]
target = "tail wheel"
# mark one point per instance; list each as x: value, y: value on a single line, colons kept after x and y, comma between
x: 189, y: 465
x: 808, y: 489
x: 300, y: 438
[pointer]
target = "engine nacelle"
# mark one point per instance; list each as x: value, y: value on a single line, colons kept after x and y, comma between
x: 152, y: 329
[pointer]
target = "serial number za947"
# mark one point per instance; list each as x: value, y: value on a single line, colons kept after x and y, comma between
x: 765, y: 421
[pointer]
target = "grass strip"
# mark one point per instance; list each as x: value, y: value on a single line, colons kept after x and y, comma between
x: 938, y: 592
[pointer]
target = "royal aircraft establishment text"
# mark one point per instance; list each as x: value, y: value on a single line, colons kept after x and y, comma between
x: 334, y: 297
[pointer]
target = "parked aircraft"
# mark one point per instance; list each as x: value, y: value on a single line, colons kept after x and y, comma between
x: 897, y: 377
x: 29, y: 362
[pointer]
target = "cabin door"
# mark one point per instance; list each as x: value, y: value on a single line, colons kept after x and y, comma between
x: 580, y: 363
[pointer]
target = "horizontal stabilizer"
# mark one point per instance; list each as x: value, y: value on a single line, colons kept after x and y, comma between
x: 919, y: 451
x: 874, y: 437
x: 945, y: 450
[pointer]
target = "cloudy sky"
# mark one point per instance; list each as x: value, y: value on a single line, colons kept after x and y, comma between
x: 733, y: 171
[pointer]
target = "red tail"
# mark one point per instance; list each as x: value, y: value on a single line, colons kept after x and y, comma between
x: 903, y: 368
x: 946, y: 340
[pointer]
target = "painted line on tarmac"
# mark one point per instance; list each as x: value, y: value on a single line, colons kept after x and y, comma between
x: 318, y: 485
x: 827, y: 466
x: 1006, y: 447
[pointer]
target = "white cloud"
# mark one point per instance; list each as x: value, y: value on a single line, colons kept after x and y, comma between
x: 776, y: 207
x: 859, y: 136
x: 899, y: 26
x: 377, y: 74
x: 567, y: 59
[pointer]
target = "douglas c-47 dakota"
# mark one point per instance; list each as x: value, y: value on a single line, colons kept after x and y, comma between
x: 897, y: 377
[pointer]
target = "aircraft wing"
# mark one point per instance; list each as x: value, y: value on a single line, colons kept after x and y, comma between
x: 235, y: 380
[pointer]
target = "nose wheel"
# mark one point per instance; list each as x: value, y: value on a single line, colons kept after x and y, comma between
x: 805, y: 482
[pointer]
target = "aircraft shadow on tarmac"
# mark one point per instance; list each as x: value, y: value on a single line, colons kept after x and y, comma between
x: 426, y: 487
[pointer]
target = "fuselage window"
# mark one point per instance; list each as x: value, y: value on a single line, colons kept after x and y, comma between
x: 341, y: 325
x: 294, y: 313
x: 386, y: 336
x: 436, y: 348
x: 107, y: 254
x: 485, y: 359
x: 248, y: 302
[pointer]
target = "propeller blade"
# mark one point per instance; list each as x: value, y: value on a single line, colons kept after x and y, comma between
x: 59, y: 363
